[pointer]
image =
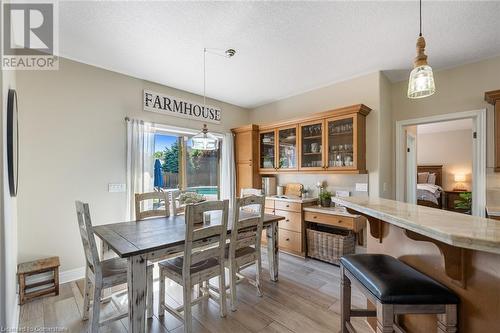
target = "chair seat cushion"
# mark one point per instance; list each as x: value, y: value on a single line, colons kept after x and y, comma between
x: 175, y: 265
x: 393, y: 282
x: 240, y: 252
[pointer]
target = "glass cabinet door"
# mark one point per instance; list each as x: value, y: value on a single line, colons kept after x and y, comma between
x: 267, y: 150
x: 340, y: 143
x: 311, y: 146
x: 287, y: 148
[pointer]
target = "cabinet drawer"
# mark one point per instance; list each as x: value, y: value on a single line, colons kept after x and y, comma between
x: 290, y: 206
x: 269, y: 210
x: 269, y: 203
x: 289, y: 240
x: 292, y: 221
x: 333, y: 220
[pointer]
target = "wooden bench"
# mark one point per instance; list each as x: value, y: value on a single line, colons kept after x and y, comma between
x: 49, y: 285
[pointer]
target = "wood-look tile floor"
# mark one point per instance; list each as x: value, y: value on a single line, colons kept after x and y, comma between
x: 305, y: 300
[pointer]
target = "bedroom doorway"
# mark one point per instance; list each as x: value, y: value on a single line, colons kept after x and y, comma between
x: 451, y: 158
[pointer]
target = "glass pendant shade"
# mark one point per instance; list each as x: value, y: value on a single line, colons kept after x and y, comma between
x: 421, y: 83
x: 204, y: 140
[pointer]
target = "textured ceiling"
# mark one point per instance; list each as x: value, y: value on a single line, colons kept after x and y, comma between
x: 283, y: 48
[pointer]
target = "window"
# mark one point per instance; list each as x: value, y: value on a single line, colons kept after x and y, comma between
x: 183, y: 167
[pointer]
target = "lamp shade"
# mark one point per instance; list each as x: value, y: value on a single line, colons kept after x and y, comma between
x: 421, y: 83
x: 204, y: 140
x: 459, y: 177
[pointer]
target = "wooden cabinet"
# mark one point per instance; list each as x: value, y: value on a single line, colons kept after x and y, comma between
x: 311, y: 146
x: 326, y: 142
x: 246, y: 157
x: 493, y: 98
x: 451, y: 197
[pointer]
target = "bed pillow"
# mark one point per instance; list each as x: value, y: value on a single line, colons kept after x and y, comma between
x: 431, y: 179
x: 422, y: 177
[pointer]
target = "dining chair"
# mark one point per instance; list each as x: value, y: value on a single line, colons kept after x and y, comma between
x: 245, y: 192
x: 203, y: 259
x: 243, y: 249
x: 140, y: 200
x: 103, y: 273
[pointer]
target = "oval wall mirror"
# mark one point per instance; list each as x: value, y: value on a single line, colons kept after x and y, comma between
x: 12, y: 142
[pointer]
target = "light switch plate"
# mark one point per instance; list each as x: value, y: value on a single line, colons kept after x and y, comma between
x: 361, y: 187
x: 116, y: 188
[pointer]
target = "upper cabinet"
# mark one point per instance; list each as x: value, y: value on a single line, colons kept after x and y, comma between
x: 267, y: 151
x: 331, y: 141
x: 311, y: 145
x: 287, y: 148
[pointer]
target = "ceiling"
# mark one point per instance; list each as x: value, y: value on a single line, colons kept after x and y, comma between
x: 283, y: 48
x: 445, y: 126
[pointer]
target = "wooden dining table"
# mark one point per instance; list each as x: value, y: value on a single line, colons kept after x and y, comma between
x: 156, y: 238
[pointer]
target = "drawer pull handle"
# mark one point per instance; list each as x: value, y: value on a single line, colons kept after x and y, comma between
x: 288, y: 239
x: 287, y: 220
x: 288, y: 205
x: 340, y: 221
x: 315, y: 217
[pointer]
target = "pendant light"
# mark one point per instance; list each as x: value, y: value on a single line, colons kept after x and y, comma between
x: 421, y: 83
x: 205, y: 140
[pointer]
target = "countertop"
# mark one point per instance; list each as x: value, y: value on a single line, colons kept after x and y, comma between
x: 338, y: 211
x: 493, y: 210
x: 293, y: 199
x: 461, y: 230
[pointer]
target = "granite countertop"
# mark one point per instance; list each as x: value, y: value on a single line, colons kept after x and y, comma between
x: 293, y: 199
x: 338, y: 211
x: 461, y: 230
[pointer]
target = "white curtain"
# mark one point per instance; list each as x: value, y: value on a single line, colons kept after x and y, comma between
x: 228, y: 169
x: 140, y: 161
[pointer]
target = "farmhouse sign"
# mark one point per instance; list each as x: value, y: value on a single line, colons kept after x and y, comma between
x: 173, y: 106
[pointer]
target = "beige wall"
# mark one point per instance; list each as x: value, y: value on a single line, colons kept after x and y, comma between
x: 364, y: 89
x: 8, y: 220
x: 73, y: 144
x: 452, y: 149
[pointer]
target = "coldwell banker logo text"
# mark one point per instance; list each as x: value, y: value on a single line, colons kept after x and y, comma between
x: 29, y: 35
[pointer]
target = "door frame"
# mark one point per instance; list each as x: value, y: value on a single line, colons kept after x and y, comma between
x: 478, y: 154
x: 411, y: 170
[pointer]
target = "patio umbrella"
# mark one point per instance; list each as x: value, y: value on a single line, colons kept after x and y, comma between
x: 158, y: 181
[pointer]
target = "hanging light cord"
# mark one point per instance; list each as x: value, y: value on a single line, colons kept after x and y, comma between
x: 420, y: 18
x: 204, y: 78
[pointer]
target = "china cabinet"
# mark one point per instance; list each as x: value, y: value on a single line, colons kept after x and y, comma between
x: 246, y: 140
x: 267, y: 151
x: 287, y: 148
x: 311, y: 145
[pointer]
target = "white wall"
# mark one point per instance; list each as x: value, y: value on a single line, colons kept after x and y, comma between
x: 8, y: 223
x: 452, y: 149
x: 73, y: 144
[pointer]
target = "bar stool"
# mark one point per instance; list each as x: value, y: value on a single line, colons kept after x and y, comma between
x: 395, y: 288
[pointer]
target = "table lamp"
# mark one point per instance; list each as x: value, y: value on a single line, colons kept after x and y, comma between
x: 459, y: 179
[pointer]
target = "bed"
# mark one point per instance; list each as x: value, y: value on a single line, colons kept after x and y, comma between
x: 429, y: 191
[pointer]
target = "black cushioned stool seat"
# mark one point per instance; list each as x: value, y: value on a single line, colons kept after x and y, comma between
x: 394, y: 282
x: 394, y: 288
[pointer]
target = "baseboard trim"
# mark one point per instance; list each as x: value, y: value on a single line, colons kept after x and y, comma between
x: 64, y: 277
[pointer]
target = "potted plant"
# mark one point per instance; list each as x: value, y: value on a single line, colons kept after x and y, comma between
x: 464, y: 202
x: 325, y: 198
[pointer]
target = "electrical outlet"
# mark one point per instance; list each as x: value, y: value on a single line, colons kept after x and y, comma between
x: 361, y: 187
x: 116, y: 188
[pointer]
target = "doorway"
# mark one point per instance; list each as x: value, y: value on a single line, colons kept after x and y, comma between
x: 406, y: 163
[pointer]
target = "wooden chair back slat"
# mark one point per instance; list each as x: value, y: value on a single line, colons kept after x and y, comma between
x: 144, y: 214
x: 194, y: 236
x: 247, y: 232
x: 87, y: 236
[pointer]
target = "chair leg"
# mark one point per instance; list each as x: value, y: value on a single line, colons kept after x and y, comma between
x: 222, y: 290
x: 232, y: 285
x: 385, y: 318
x: 345, y: 298
x: 447, y: 322
x: 258, y: 275
x: 149, y: 301
x: 161, y: 299
x: 86, y: 298
x: 96, y: 308
x: 188, y: 320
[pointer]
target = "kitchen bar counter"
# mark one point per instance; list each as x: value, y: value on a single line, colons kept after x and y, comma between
x: 460, y: 230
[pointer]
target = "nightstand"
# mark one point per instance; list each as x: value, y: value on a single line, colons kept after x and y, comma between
x: 451, y: 197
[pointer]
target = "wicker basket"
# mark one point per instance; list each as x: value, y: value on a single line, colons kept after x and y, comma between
x: 329, y: 247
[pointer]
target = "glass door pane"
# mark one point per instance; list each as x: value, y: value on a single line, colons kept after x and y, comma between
x: 340, y: 143
x: 267, y: 153
x: 311, y: 145
x: 287, y: 149
x: 202, y: 171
